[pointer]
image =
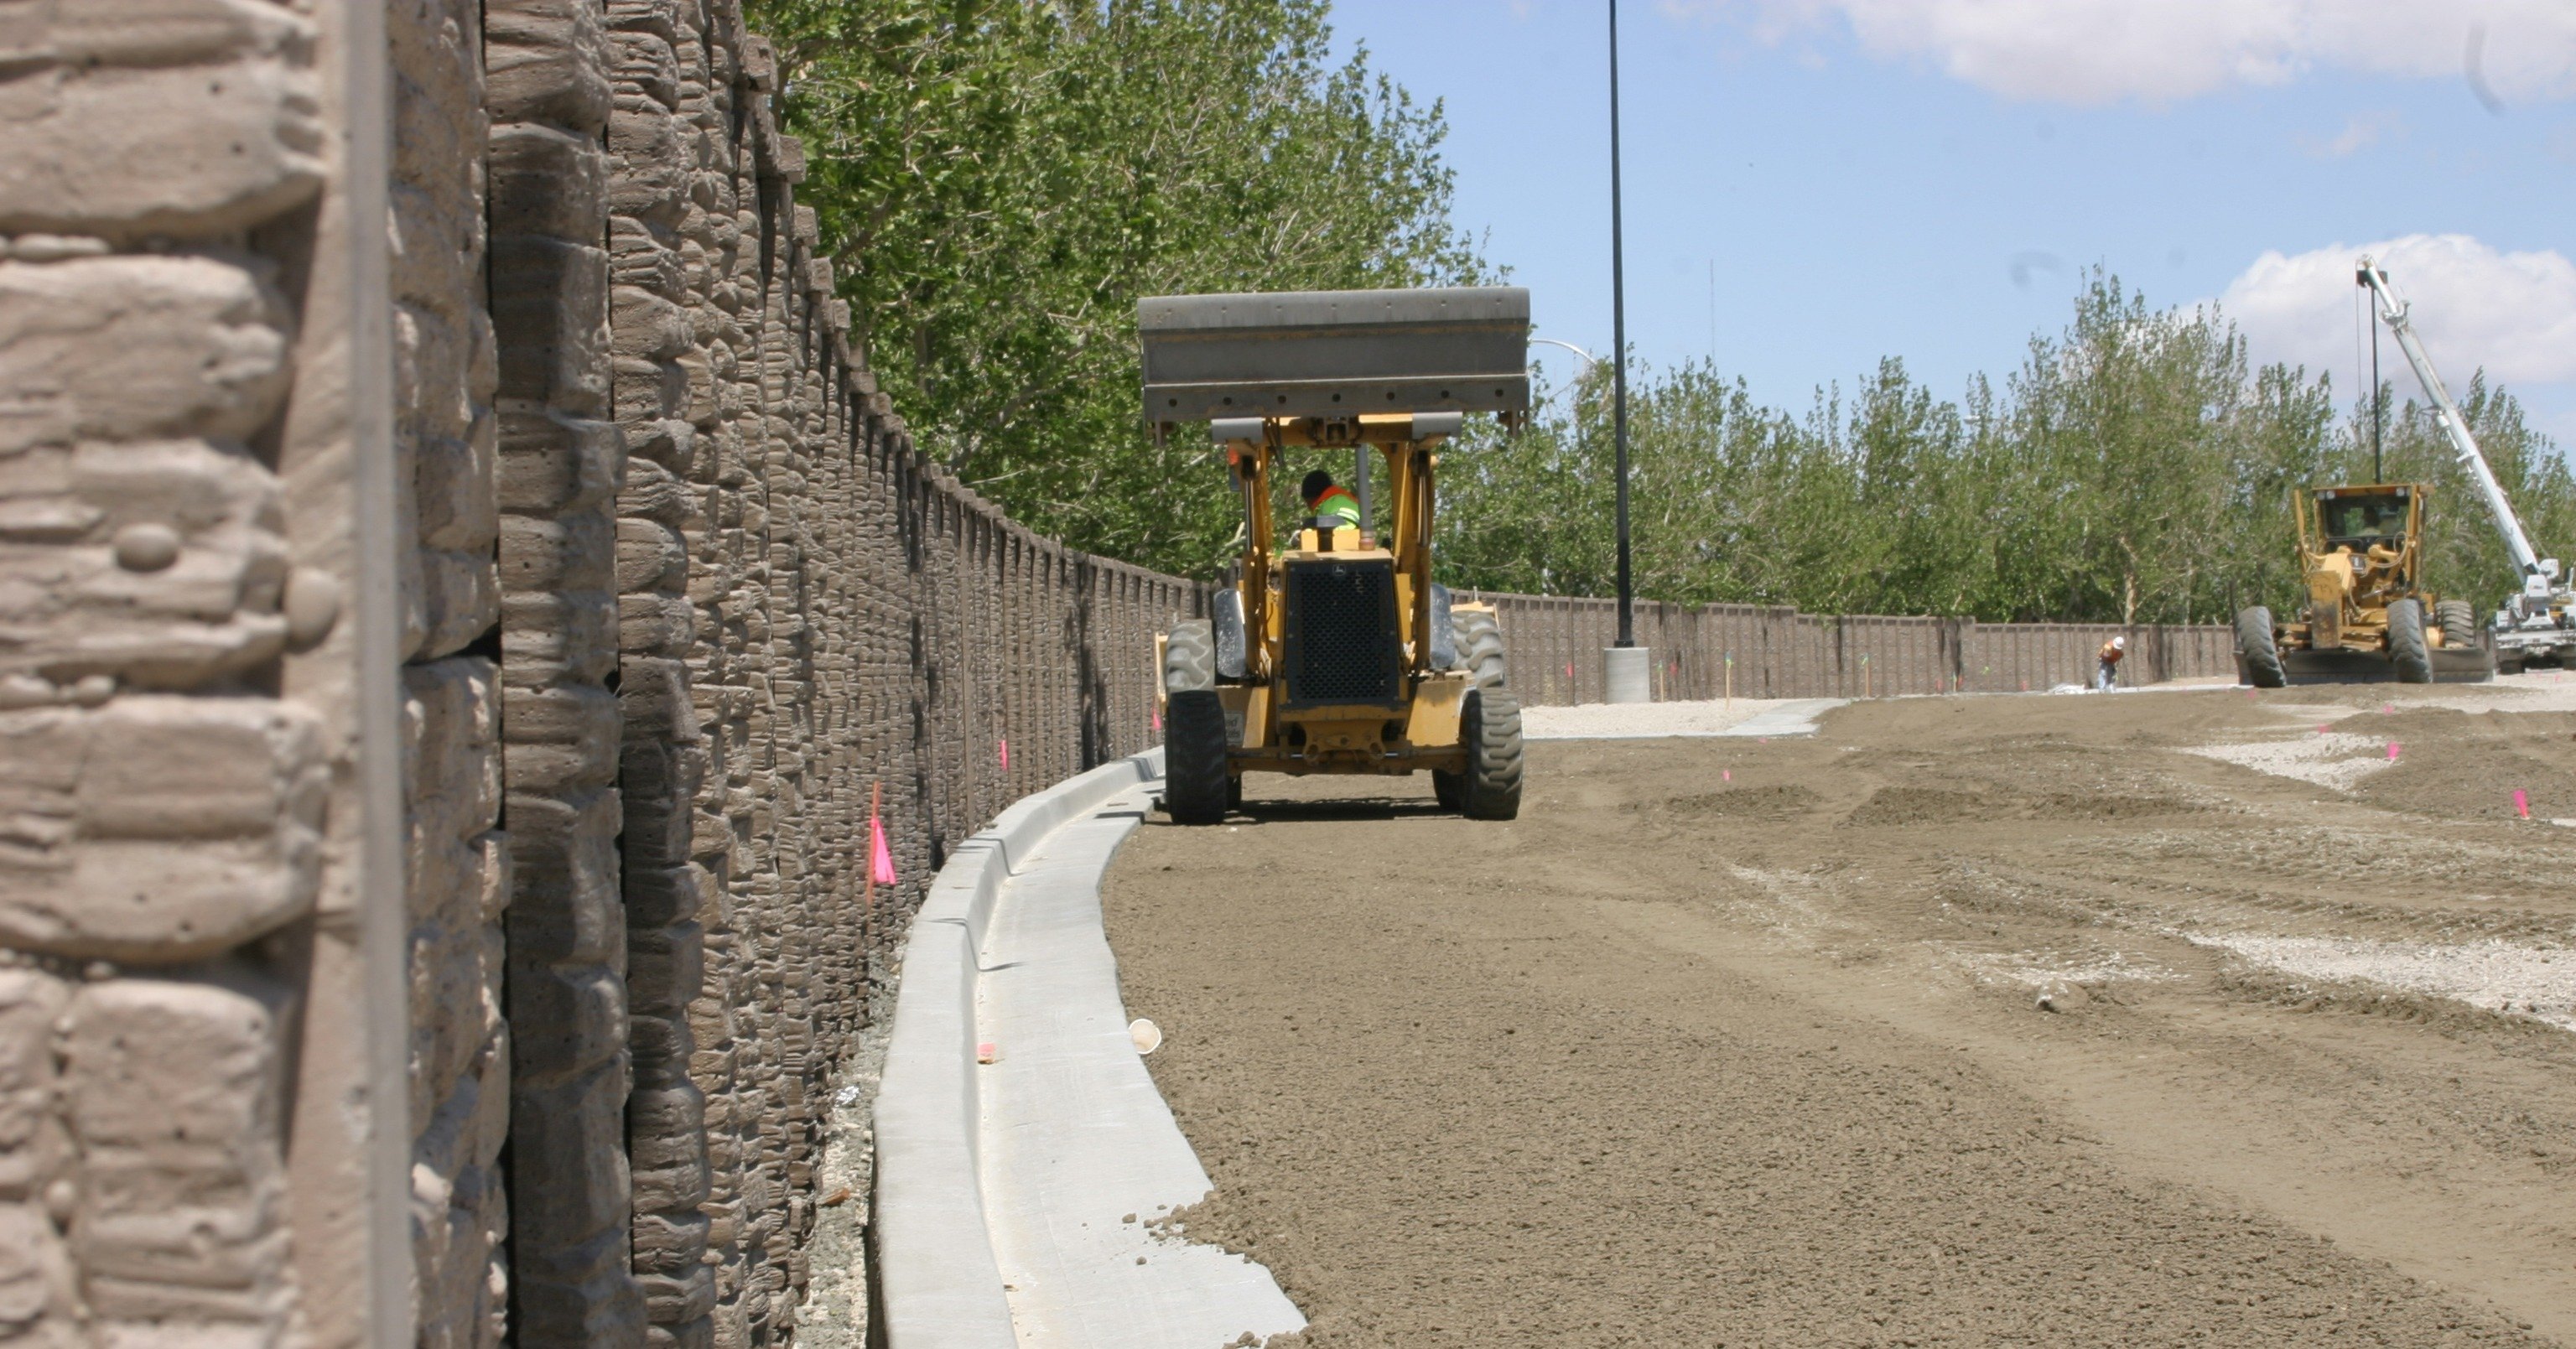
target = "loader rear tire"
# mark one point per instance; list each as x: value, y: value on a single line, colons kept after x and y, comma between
x: 2258, y: 651
x: 1196, y: 787
x: 2406, y: 643
x: 1478, y: 635
x: 2459, y: 624
x: 1189, y: 657
x: 1490, y: 724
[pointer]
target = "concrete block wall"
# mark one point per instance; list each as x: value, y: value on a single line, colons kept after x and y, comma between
x: 464, y: 597
x: 211, y: 488
x: 1704, y: 651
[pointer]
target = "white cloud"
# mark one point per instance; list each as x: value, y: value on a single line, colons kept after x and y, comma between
x: 2512, y: 313
x: 2101, y: 51
x: 2359, y: 133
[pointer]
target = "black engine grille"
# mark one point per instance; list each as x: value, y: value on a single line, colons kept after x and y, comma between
x: 1341, y: 639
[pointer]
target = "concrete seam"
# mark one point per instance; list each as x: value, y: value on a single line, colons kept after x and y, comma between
x: 384, y: 915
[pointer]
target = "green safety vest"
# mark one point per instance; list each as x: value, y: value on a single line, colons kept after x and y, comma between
x: 1337, y: 501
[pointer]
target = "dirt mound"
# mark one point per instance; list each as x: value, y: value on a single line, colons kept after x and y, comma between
x: 2456, y: 766
x: 1916, y: 806
x: 1777, y: 802
x: 1913, y: 807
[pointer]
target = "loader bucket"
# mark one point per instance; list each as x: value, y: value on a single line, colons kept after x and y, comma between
x: 1335, y: 353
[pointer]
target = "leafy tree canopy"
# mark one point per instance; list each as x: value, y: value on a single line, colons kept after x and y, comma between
x: 2136, y: 467
x: 1001, y: 180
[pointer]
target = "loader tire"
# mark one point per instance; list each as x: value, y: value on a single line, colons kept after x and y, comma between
x: 1490, y: 724
x: 1189, y: 657
x: 1478, y: 634
x: 2257, y: 650
x: 1196, y: 787
x: 2406, y: 643
x: 2459, y: 624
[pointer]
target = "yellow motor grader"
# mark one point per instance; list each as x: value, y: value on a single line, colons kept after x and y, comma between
x: 1333, y: 651
x: 2361, y: 552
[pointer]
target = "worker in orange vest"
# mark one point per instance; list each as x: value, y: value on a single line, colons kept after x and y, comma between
x: 2109, y: 673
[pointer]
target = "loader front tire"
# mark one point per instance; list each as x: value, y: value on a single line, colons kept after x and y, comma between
x: 1478, y: 635
x: 2255, y: 647
x: 1490, y: 724
x: 2459, y: 624
x: 1189, y: 657
x: 1196, y: 787
x: 2406, y: 648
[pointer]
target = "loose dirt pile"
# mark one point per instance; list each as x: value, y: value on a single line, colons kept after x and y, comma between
x: 1679, y: 1059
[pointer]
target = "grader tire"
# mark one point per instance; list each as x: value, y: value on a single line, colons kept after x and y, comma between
x: 1448, y: 787
x: 1189, y: 657
x: 1490, y: 724
x: 1196, y: 787
x: 2256, y: 648
x: 2406, y: 648
x: 1478, y: 635
x: 2459, y: 624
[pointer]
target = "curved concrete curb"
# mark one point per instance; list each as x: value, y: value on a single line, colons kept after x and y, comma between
x: 1001, y: 1188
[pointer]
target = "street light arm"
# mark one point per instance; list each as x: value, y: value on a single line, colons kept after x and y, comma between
x: 1589, y: 360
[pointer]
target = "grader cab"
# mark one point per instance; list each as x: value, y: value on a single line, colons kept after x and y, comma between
x: 1334, y: 650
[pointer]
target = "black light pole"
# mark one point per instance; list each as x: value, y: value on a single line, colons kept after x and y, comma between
x: 1619, y: 343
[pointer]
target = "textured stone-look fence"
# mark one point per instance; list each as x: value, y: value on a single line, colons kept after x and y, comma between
x: 1556, y: 647
x: 459, y: 591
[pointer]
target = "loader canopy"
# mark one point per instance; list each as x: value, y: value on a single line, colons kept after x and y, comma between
x: 1338, y: 353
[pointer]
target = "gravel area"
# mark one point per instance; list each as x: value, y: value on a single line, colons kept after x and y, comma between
x: 2533, y: 981
x: 1641, y: 721
x: 2328, y: 759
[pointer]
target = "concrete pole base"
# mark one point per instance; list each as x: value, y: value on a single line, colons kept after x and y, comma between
x: 1628, y: 672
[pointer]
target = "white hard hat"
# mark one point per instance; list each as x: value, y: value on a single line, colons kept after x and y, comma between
x: 2119, y: 643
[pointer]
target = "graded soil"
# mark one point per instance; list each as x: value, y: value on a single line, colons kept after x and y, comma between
x: 1955, y: 1024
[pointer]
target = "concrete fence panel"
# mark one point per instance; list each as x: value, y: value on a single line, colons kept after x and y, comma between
x: 1709, y: 651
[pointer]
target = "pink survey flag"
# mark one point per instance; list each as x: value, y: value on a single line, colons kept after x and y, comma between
x: 1006, y: 755
x: 880, y: 857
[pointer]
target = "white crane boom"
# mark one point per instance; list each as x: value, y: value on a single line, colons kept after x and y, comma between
x: 2537, y: 572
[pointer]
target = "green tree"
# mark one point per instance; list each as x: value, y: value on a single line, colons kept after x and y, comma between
x: 1002, y: 180
x: 2136, y: 467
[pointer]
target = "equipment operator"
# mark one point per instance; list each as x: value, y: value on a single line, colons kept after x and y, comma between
x: 1325, y: 500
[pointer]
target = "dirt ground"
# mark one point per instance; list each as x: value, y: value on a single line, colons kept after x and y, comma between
x: 1968, y: 1021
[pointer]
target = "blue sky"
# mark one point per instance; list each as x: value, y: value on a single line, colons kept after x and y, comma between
x: 1928, y: 178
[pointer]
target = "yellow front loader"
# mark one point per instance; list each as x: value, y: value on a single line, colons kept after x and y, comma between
x: 1334, y: 651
